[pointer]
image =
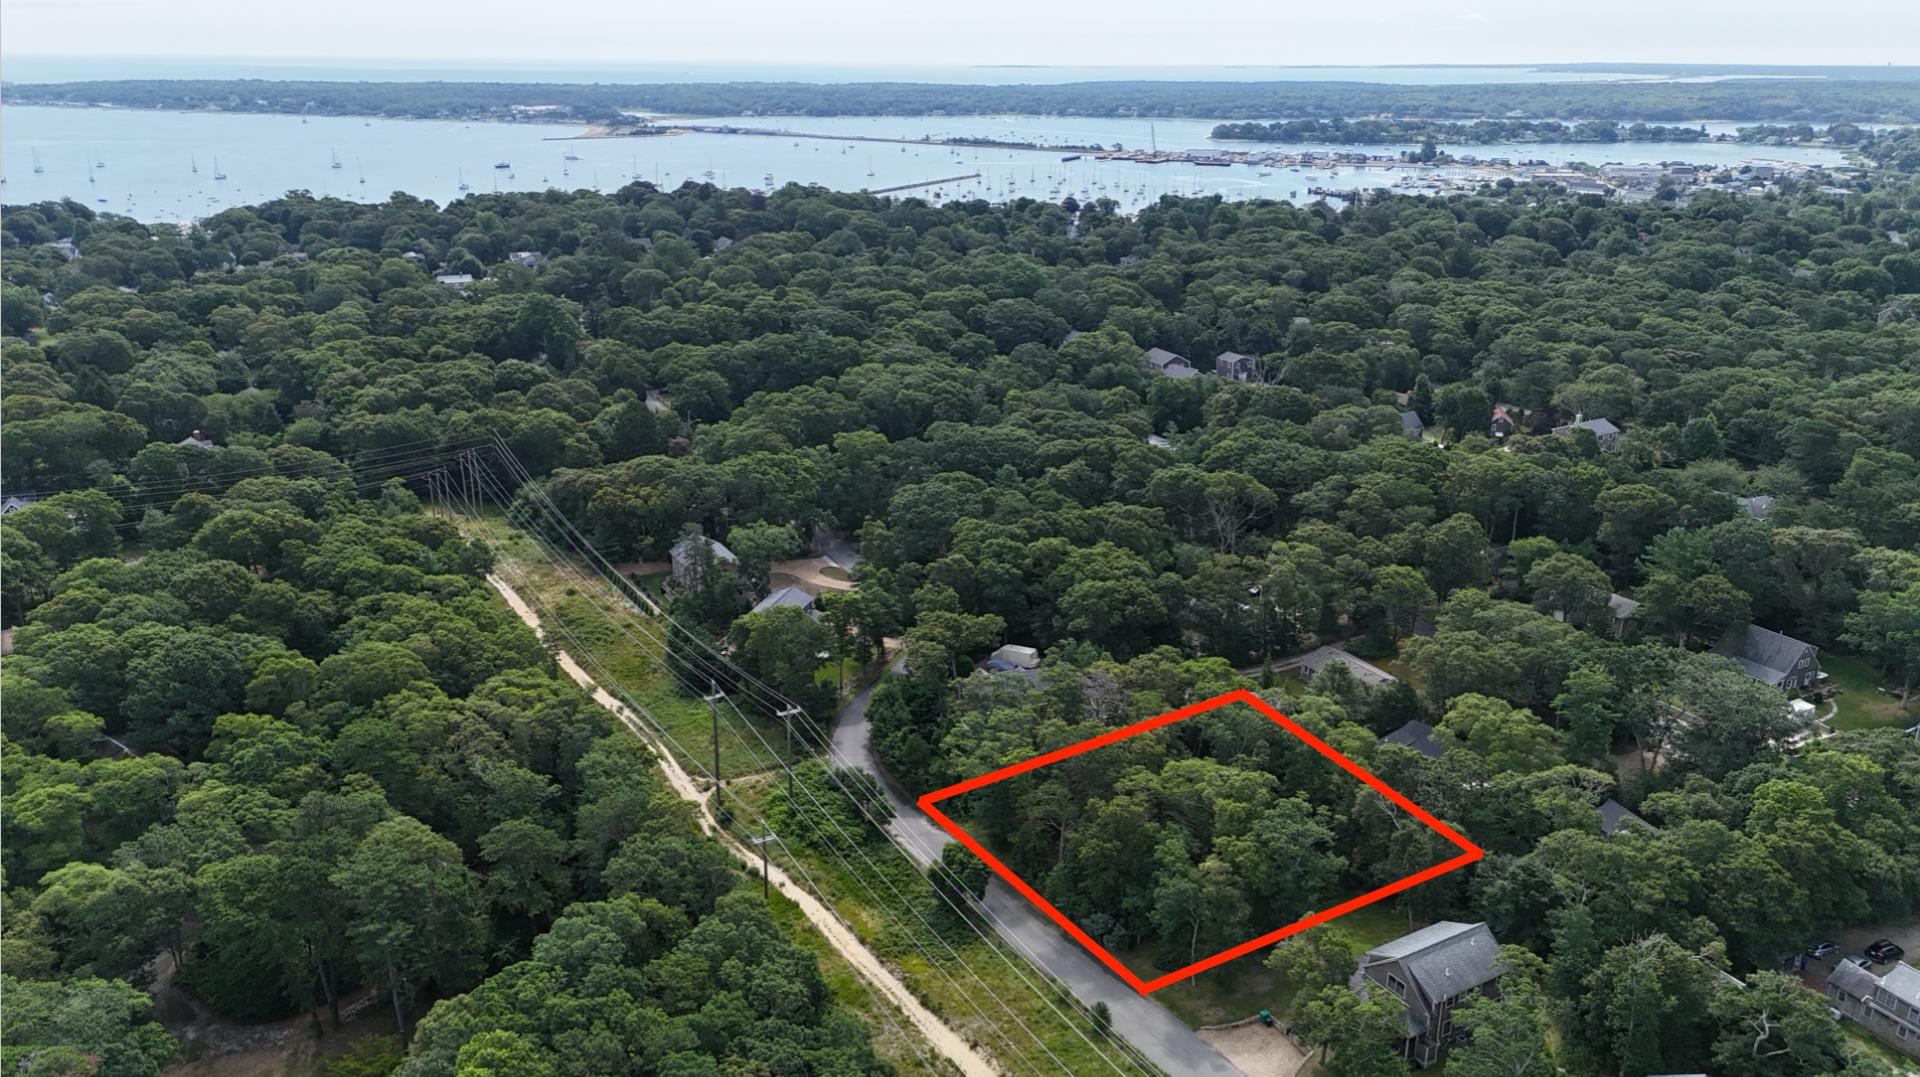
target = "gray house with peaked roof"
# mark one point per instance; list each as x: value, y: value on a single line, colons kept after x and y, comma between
x: 1771, y: 657
x: 789, y: 596
x: 1603, y: 431
x: 1236, y: 366
x: 1887, y: 1006
x: 1431, y: 971
x: 1411, y: 426
x: 1615, y: 817
x: 1417, y: 735
x: 1363, y: 671
x: 687, y: 563
x: 1162, y: 361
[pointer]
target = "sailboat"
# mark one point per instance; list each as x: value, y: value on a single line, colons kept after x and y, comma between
x: 217, y: 174
x: 503, y: 164
x: 570, y: 156
x: 869, y: 166
x: 37, y: 166
x: 336, y: 158
x: 89, y: 173
x: 463, y: 177
x: 360, y: 168
x: 193, y: 163
x: 99, y: 162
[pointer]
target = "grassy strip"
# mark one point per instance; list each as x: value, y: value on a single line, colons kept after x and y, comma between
x: 940, y: 978
x: 628, y: 655
x: 943, y: 961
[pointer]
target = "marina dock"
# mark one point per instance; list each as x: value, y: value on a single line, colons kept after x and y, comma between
x: 922, y: 183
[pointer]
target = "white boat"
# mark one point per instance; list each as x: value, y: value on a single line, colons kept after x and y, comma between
x: 463, y: 177
x: 217, y: 174
x: 336, y: 159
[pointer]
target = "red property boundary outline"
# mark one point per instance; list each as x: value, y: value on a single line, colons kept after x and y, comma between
x: 1469, y: 851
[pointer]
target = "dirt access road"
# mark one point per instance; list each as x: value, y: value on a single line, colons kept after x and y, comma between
x: 938, y: 1033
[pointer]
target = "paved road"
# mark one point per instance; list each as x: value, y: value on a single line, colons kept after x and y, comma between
x: 1146, y: 1024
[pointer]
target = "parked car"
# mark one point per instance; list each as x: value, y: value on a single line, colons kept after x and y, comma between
x: 998, y: 665
x: 1823, y: 949
x: 1860, y: 961
x: 1886, y: 951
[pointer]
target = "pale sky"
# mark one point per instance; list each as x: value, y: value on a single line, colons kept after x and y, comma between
x: 878, y: 33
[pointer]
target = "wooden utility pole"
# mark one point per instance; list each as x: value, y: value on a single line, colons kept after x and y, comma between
x: 766, y: 893
x: 787, y: 715
x: 713, y: 698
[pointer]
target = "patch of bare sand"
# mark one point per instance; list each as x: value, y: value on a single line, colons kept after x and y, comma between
x: 1256, y: 1050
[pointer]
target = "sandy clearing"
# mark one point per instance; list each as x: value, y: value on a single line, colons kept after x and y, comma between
x: 808, y: 570
x: 937, y: 1032
x: 1257, y: 1050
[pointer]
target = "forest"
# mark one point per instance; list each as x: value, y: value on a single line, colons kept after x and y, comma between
x: 1856, y: 100
x: 273, y: 741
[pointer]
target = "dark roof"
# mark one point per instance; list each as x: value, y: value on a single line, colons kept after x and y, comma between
x: 1443, y: 959
x: 1410, y: 421
x: 1853, y: 979
x: 1614, y: 815
x: 1417, y: 735
x: 1161, y: 358
x: 1766, y: 655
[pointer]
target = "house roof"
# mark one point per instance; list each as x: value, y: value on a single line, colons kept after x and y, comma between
x: 685, y: 546
x: 1160, y: 357
x: 1366, y: 671
x: 1766, y: 655
x: 1757, y: 506
x: 1233, y: 357
x: 1443, y: 959
x: 1600, y: 427
x: 1622, y: 606
x: 1614, y: 815
x: 1417, y: 735
x: 1853, y: 979
x: 785, y: 596
x: 1410, y: 421
x: 1903, y: 980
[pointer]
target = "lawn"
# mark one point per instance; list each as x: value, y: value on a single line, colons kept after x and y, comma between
x: 619, y: 646
x: 1861, y: 704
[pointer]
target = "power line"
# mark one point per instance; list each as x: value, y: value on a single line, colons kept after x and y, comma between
x: 774, y: 703
x: 614, y: 685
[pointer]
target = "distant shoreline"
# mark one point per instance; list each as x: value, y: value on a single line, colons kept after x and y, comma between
x: 1760, y: 98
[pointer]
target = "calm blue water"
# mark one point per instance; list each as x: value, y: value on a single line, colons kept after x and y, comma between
x: 162, y: 165
x: 81, y: 68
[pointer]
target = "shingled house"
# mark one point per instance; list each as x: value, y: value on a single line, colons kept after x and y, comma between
x: 1887, y: 1006
x: 1771, y: 657
x: 689, y: 566
x: 1162, y: 361
x: 1431, y: 971
x: 1604, y: 431
x: 1236, y: 366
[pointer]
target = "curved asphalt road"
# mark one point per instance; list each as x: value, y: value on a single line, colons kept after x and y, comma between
x: 1146, y: 1024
